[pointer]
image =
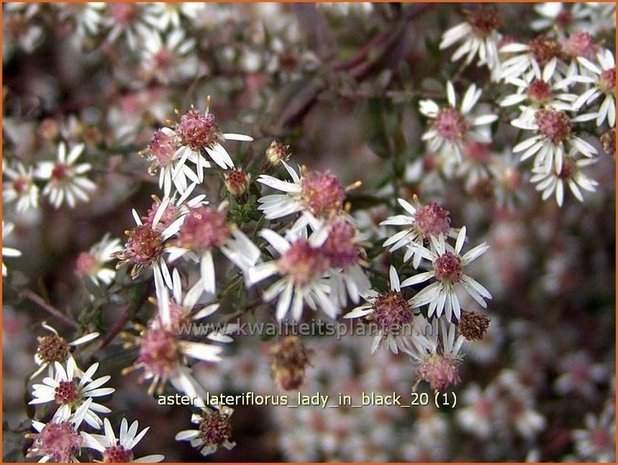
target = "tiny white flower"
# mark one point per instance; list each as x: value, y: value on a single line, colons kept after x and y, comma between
x: 70, y: 388
x: 602, y: 80
x: 66, y: 180
x: 448, y: 269
x: 119, y: 449
x: 20, y: 188
x: 214, y: 430
x: 451, y: 127
x: 8, y: 251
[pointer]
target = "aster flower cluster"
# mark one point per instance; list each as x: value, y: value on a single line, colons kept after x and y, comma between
x: 353, y: 174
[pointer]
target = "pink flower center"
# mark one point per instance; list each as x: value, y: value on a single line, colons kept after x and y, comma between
x: 117, y: 454
x: 86, y: 264
x: 539, y: 92
x: 20, y: 184
x: 159, y: 352
x: 543, y: 49
x: 477, y: 152
x: 163, y: 148
x: 323, y: 193
x: 564, y: 18
x: 450, y: 124
x: 59, y: 441
x: 203, y: 229
x: 568, y: 169
x: 144, y: 245
x: 66, y: 393
x: 197, y: 130
x: 580, y: 44
x: 448, y: 267
x: 440, y: 372
x: 302, y: 262
x: 484, y: 20
x: 339, y: 248
x: 59, y: 172
x: 432, y: 220
x: 236, y: 182
x: 123, y: 13
x: 170, y: 214
x: 553, y: 125
x: 163, y: 59
x: 390, y: 312
x: 608, y: 80
x: 215, y: 429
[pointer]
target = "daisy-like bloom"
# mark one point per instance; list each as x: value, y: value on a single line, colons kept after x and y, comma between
x: 315, y: 194
x: 171, y: 209
x: 214, y: 430
x: 198, y: 133
x: 167, y: 58
x: 541, y: 50
x: 87, y: 18
x: 554, y: 137
x: 570, y: 173
x: 129, y: 20
x: 166, y: 157
x: 170, y: 15
x: 163, y: 354
x: 389, y: 311
x: 597, y: 441
x: 205, y: 229
x: 540, y: 89
x: 65, y: 179
x: 602, y: 84
x: 8, y: 251
x: 70, y: 388
x: 579, y: 375
x: 479, y: 36
x: 477, y: 415
x: 58, y: 441
x: 145, y: 244
x: 91, y: 264
x: 20, y: 188
x: 55, y: 349
x: 301, y: 268
x: 422, y: 222
x: 119, y: 450
x: 559, y: 15
x: 435, y: 351
x: 451, y: 127
x: 346, y: 255
x: 448, y: 270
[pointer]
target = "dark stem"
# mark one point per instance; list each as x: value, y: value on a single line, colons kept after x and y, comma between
x: 31, y: 296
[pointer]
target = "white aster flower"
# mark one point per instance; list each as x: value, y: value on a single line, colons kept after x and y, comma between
x: 597, y: 441
x: 301, y: 268
x: 214, y: 430
x: 479, y: 36
x: 20, y: 188
x: 128, y: 20
x: 477, y: 414
x: 91, y: 264
x: 540, y: 89
x: 163, y: 354
x: 435, y: 351
x: 553, y: 139
x: 199, y: 134
x: 8, y: 251
x: 119, y: 449
x: 167, y: 58
x: 570, y: 173
x: 311, y: 193
x: 422, y: 222
x: 602, y: 83
x: 451, y: 127
x: 562, y: 16
x: 58, y: 441
x: 70, y: 388
x: 388, y: 312
x: 448, y: 269
x: 65, y: 179
x: 542, y: 50
x: 205, y: 229
x: 54, y: 348
x: 165, y: 15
